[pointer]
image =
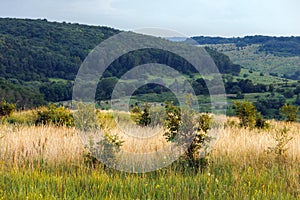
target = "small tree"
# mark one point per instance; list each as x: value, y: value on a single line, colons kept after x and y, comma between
x: 282, y: 138
x: 289, y: 112
x: 184, y: 125
x: 246, y: 112
x: 144, y: 119
x: 6, y: 109
x: 261, y: 123
x: 172, y: 122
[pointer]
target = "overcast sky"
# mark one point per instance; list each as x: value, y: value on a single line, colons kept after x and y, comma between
x: 190, y: 17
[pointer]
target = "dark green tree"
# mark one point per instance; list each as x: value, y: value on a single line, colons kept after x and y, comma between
x: 289, y: 112
x: 144, y: 119
x: 246, y: 112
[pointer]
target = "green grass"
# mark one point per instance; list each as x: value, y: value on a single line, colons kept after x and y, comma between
x: 251, y: 58
x: 266, y: 79
x: 58, y: 80
x: 221, y: 180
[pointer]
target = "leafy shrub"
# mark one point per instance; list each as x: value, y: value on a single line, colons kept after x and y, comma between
x: 105, y: 150
x: 158, y: 116
x: 106, y: 120
x: 23, y: 117
x: 144, y: 118
x: 249, y: 116
x: 204, y: 122
x: 172, y: 122
x: 282, y: 138
x: 6, y: 109
x: 289, y: 112
x: 261, y: 123
x: 246, y: 112
x: 52, y: 114
x: 181, y: 126
x: 85, y: 117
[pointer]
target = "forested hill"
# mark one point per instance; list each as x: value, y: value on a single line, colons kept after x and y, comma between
x: 40, y: 59
x: 38, y: 49
x: 280, y: 46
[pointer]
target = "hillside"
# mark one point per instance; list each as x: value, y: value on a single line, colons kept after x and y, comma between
x: 277, y: 56
x: 43, y: 57
x: 39, y: 61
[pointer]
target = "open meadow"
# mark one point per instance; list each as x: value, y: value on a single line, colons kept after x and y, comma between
x: 50, y: 162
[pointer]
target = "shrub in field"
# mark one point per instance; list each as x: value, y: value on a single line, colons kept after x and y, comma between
x: 181, y: 126
x: 144, y: 118
x: 249, y: 116
x: 23, y: 117
x: 105, y: 150
x: 52, y: 114
x: 110, y: 146
x: 173, y: 121
x: 85, y: 117
x: 261, y: 123
x: 6, y: 109
x: 135, y: 113
x: 282, y: 138
x: 204, y: 122
x: 158, y: 116
x: 87, y: 120
x: 246, y: 112
x: 289, y: 112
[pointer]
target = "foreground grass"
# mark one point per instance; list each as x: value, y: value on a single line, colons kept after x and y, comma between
x: 221, y: 180
x: 47, y: 163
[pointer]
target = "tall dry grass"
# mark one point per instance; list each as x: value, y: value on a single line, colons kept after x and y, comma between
x: 28, y: 144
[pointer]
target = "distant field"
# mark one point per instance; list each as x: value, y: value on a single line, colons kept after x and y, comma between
x: 251, y: 58
x: 262, y: 78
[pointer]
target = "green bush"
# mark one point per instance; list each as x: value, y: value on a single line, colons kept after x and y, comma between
x: 52, y: 114
x: 261, y: 123
x: 182, y: 125
x: 204, y: 122
x: 23, y: 117
x: 172, y: 122
x: 246, y: 112
x: 86, y: 117
x: 6, y: 109
x: 289, y: 112
x: 144, y: 118
x: 105, y: 150
x: 249, y: 116
x: 282, y: 138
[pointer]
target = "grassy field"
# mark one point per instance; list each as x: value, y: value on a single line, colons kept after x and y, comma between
x: 251, y: 58
x: 48, y: 162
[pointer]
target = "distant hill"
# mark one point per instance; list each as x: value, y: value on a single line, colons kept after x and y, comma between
x: 277, y: 56
x: 38, y: 49
x: 280, y: 46
x: 43, y: 57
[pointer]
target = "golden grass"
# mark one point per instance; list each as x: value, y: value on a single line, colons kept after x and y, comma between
x: 54, y: 145
x: 51, y: 144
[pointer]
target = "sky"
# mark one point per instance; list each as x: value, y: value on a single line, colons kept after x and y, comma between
x: 226, y: 18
